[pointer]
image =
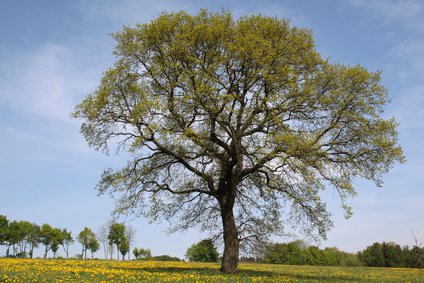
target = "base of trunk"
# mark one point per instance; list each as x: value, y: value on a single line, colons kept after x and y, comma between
x: 231, y: 247
x: 229, y: 267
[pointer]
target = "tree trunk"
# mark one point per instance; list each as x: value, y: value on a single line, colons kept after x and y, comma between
x: 104, y: 249
x: 231, y: 241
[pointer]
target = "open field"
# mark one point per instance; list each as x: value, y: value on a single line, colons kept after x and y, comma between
x: 38, y: 270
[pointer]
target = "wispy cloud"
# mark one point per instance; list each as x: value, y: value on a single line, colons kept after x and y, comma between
x: 403, y: 22
x: 43, y: 82
x: 411, y: 53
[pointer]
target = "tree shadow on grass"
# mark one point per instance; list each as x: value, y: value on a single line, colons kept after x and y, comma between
x: 319, y: 278
x: 202, y: 270
x: 243, y: 273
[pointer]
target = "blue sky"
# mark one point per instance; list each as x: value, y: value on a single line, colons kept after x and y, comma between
x: 53, y: 53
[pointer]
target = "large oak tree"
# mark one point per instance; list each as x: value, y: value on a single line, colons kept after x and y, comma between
x: 231, y: 121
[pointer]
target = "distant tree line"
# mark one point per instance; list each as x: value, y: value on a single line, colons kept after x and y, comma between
x: 378, y: 254
x: 392, y: 255
x: 298, y: 253
x: 21, y: 238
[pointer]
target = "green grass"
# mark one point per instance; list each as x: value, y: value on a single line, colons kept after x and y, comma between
x: 37, y: 270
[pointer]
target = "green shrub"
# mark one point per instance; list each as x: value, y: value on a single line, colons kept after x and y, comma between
x: 203, y: 251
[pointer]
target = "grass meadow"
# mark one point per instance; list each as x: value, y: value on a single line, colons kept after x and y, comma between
x: 56, y: 270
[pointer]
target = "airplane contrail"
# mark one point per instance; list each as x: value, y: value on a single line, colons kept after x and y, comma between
x: 394, y: 49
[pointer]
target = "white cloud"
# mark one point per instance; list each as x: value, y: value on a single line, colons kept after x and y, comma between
x: 44, y: 82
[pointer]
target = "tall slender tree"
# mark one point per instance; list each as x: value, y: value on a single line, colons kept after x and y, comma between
x: 33, y: 238
x: 67, y: 241
x: 124, y: 248
x: 116, y: 235
x: 130, y: 234
x: 15, y: 237
x: 93, y: 246
x: 102, y: 236
x: 86, y: 238
x: 57, y: 240
x: 25, y: 233
x: 46, y: 238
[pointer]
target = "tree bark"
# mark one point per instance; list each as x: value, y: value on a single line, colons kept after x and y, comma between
x: 231, y: 241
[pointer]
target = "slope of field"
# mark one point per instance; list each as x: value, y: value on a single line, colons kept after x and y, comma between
x: 38, y: 270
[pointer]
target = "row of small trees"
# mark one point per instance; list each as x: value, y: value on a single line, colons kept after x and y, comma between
x: 22, y: 237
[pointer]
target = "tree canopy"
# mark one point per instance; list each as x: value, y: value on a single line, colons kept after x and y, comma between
x: 231, y: 121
